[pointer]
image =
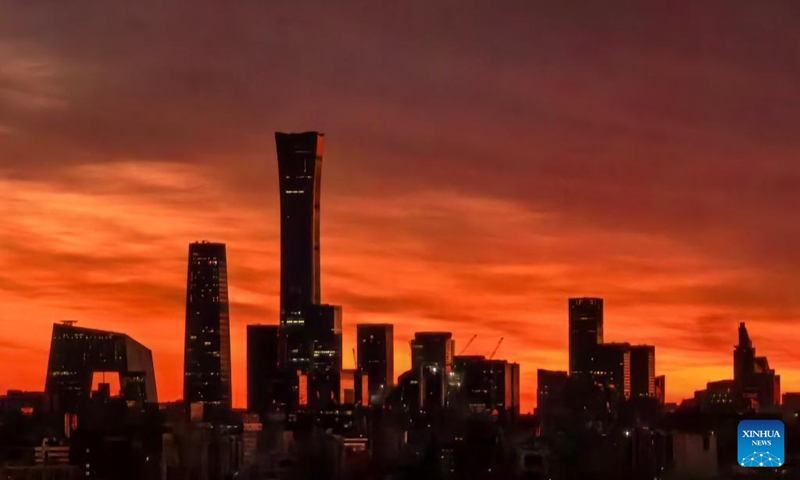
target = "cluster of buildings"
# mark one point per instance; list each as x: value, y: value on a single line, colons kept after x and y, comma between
x: 624, y: 370
x: 450, y: 416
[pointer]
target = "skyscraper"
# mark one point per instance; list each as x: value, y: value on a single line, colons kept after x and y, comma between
x: 585, y: 333
x: 375, y: 343
x: 611, y: 366
x: 643, y: 371
x: 207, y: 354
x: 264, y: 384
x: 299, y: 169
x: 77, y: 353
x: 432, y: 349
x: 752, y: 375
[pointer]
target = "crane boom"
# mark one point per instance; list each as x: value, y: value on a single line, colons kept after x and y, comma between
x: 496, y: 348
x: 468, y: 344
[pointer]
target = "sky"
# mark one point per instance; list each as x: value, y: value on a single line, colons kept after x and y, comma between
x: 483, y: 164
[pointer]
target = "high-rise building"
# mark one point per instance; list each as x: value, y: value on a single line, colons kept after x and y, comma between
x: 325, y: 331
x: 76, y: 354
x: 488, y: 385
x: 551, y: 391
x: 612, y: 367
x: 434, y: 349
x: 299, y: 169
x: 265, y: 385
x: 585, y: 333
x: 661, y: 389
x: 207, y: 354
x: 752, y: 375
x: 375, y: 344
x: 643, y: 371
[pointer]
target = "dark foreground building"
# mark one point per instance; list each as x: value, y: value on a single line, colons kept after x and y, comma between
x: 207, y: 354
x: 264, y: 384
x: 376, y: 357
x: 77, y: 353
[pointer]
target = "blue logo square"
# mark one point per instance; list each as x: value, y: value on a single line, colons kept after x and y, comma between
x: 761, y: 443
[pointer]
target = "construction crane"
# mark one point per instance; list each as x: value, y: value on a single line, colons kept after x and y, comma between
x: 496, y: 348
x: 468, y: 344
x: 355, y: 362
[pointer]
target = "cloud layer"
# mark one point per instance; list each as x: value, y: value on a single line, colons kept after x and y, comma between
x: 482, y: 166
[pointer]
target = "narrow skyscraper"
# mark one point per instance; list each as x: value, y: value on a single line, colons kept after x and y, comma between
x: 265, y: 391
x: 375, y: 343
x: 299, y: 170
x: 585, y: 333
x: 643, y: 371
x: 207, y: 354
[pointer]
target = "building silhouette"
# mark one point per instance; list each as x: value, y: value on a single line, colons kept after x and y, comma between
x: 299, y: 170
x: 585, y: 333
x: 488, y: 385
x: 611, y: 367
x: 375, y: 344
x: 432, y: 349
x: 551, y: 391
x: 77, y: 353
x: 207, y: 352
x: 643, y: 371
x: 752, y: 375
x: 264, y: 382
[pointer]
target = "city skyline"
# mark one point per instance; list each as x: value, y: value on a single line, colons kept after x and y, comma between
x: 476, y: 204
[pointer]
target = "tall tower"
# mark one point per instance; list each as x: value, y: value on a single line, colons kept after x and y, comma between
x: 207, y: 353
x: 299, y: 169
x: 744, y: 356
x: 585, y: 332
x: 376, y: 356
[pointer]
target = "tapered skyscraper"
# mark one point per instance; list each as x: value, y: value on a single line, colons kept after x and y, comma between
x: 207, y: 354
x: 299, y: 169
x: 585, y: 333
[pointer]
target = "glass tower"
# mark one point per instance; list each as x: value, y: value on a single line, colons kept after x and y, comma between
x: 207, y: 354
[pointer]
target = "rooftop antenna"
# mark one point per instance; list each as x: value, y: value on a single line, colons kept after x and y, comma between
x: 69, y: 323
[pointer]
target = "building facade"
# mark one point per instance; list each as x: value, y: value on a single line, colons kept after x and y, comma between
x: 77, y: 353
x: 585, y: 333
x: 263, y: 368
x: 207, y: 345
x: 643, y: 371
x: 375, y: 357
x: 299, y: 169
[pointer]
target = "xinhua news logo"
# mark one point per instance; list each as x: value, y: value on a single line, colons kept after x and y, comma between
x: 761, y: 443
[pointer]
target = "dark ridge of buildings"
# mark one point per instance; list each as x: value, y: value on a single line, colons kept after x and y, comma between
x: 375, y: 345
x: 585, y: 333
x: 77, y: 353
x: 207, y: 353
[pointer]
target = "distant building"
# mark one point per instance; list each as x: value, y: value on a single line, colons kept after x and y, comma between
x: 612, y: 367
x: 752, y: 375
x: 264, y: 382
x: 77, y: 353
x: 661, y: 389
x: 488, y: 385
x: 643, y: 371
x: 434, y: 349
x: 299, y: 175
x: 325, y: 330
x: 207, y: 344
x: 551, y: 391
x: 585, y: 332
x: 375, y: 344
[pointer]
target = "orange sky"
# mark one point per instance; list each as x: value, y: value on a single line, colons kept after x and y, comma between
x: 470, y: 183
